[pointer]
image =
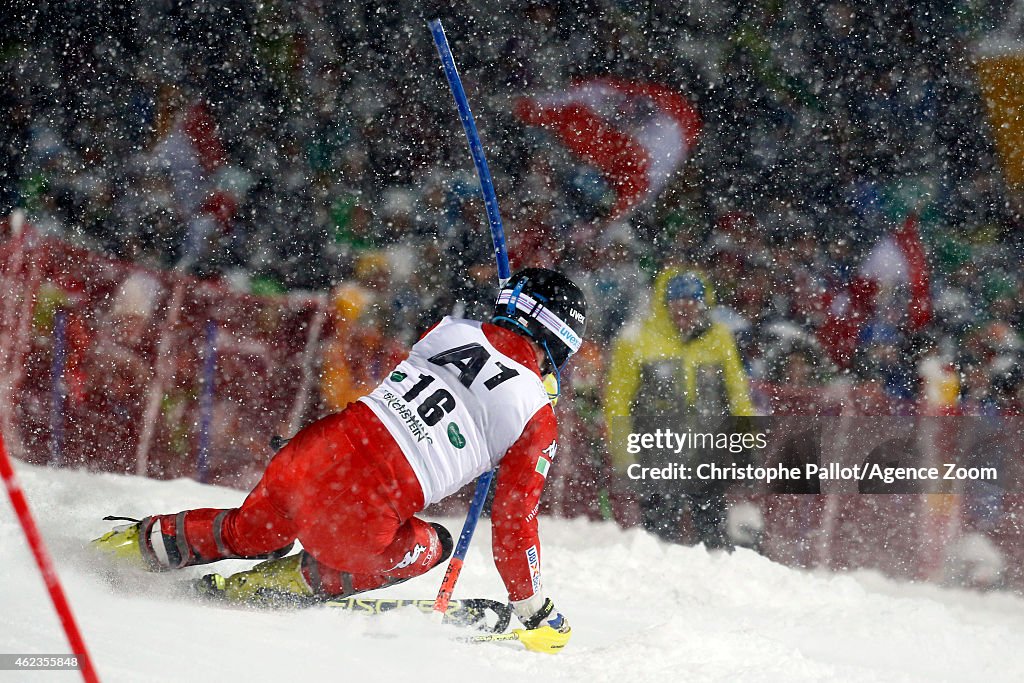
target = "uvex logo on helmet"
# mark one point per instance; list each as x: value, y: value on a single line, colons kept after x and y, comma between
x: 571, y: 339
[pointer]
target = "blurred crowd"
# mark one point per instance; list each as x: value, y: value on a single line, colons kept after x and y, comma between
x: 341, y: 167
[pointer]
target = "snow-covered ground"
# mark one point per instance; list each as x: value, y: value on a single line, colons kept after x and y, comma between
x: 641, y: 611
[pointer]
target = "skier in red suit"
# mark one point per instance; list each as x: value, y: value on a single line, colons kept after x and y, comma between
x: 468, y: 398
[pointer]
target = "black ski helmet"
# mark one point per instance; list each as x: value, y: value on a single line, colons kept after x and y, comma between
x: 546, y: 306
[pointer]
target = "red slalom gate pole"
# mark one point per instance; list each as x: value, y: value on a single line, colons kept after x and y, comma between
x: 35, y: 541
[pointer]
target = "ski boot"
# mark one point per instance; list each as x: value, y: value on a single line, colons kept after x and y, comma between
x: 131, y: 544
x: 145, y: 544
x: 275, y: 583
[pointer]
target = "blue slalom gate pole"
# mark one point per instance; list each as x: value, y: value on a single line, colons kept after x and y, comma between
x: 476, y: 149
x: 206, y: 400
x: 58, y: 388
x: 451, y: 574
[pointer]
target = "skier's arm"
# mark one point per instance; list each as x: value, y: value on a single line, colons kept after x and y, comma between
x: 521, y: 477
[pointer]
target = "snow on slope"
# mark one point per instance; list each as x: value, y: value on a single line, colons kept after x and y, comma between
x: 641, y: 611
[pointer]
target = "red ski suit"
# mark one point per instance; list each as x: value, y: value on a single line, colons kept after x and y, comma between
x: 343, y: 488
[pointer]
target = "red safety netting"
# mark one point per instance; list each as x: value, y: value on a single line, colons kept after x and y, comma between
x: 135, y: 341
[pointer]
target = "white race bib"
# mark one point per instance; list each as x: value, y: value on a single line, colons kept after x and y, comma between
x: 455, y: 405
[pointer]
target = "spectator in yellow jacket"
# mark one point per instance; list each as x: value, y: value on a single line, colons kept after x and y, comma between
x: 672, y: 366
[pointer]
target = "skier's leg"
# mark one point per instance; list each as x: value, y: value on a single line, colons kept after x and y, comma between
x: 359, y: 538
x: 416, y: 548
x: 354, y: 540
x: 301, y: 578
x: 256, y: 530
x: 261, y: 527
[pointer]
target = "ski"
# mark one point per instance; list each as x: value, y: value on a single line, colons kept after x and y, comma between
x: 478, y: 613
x: 481, y: 614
